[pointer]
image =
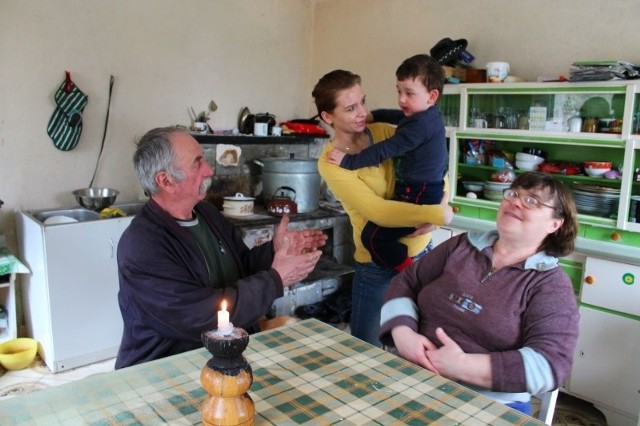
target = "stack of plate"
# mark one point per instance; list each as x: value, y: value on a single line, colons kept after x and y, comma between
x: 596, y: 200
x: 493, y: 190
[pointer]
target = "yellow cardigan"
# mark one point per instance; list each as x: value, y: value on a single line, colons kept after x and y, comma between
x: 365, y: 193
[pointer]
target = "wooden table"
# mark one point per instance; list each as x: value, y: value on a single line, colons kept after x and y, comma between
x: 305, y: 373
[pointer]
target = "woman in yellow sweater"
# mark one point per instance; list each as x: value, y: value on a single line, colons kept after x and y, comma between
x: 365, y: 193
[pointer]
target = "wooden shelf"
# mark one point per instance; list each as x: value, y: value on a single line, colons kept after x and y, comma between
x: 258, y: 140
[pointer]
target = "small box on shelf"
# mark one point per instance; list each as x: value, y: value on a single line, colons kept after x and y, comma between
x: 537, y: 117
x: 455, y: 72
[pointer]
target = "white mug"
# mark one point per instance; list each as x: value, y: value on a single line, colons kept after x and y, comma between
x: 480, y: 122
x: 199, y: 126
x: 261, y: 129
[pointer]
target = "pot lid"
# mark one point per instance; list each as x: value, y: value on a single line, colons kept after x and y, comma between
x: 239, y: 197
x: 290, y: 165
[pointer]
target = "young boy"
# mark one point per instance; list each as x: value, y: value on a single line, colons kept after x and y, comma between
x: 419, y: 149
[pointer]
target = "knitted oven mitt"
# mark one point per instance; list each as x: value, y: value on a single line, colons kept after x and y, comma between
x: 65, y: 125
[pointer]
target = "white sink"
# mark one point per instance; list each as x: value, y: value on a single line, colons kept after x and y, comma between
x: 79, y: 214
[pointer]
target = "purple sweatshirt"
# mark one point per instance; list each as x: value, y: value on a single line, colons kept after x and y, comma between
x: 525, y: 316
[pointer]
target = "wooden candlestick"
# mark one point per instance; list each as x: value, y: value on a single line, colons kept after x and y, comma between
x: 227, y: 377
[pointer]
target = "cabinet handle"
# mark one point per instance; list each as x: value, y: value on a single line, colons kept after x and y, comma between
x: 615, y: 236
x: 589, y: 279
x: 456, y: 209
x: 111, y: 243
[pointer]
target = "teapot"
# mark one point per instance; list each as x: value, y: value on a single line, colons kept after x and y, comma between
x: 280, y: 205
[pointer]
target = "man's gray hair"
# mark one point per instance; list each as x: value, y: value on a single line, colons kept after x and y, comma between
x: 154, y: 154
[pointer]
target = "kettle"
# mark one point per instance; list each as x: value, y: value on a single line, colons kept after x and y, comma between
x: 251, y: 119
x: 280, y: 205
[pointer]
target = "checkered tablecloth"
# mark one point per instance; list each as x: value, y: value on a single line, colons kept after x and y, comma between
x: 306, y: 373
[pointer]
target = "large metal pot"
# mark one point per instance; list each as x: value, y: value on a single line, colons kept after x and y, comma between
x: 300, y: 174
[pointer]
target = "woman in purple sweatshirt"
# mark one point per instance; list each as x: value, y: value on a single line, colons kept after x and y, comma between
x: 493, y: 310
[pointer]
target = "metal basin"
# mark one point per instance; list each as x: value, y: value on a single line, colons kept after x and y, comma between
x: 55, y: 216
x: 78, y: 214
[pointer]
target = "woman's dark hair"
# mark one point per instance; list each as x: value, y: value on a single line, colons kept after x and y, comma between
x: 326, y: 90
x: 424, y: 68
x: 561, y: 242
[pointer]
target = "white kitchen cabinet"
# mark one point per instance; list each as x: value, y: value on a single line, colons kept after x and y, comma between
x: 71, y: 297
x: 606, y: 367
x: 611, y: 285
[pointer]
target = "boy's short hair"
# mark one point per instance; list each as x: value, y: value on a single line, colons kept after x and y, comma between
x: 425, y: 68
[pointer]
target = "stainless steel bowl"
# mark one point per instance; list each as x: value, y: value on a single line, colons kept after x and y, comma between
x: 95, y: 199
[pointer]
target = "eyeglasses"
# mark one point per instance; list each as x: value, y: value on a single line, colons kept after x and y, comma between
x: 529, y: 201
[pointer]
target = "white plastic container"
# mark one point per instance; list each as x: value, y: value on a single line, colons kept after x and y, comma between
x: 497, y: 71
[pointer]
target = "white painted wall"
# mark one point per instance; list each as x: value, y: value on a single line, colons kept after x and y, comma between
x: 165, y: 55
x: 168, y: 55
x: 537, y: 37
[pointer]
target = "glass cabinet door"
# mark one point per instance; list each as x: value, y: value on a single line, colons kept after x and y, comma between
x: 560, y: 108
x: 630, y: 200
x: 563, y: 128
x: 450, y: 109
x: 635, y: 125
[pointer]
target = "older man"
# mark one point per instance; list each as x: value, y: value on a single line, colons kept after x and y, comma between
x: 180, y: 258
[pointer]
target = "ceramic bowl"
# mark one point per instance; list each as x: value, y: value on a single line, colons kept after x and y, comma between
x: 493, y: 190
x: 527, y: 165
x: 593, y: 172
x: 597, y: 168
x: 473, y: 186
x: 18, y: 353
x: 605, y: 165
x: 522, y: 156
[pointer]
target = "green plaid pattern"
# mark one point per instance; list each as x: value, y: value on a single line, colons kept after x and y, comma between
x: 308, y: 373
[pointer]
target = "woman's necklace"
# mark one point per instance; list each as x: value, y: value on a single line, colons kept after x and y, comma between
x: 359, y: 142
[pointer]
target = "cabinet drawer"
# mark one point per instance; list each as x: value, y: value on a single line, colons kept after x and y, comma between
x: 465, y: 210
x: 612, y: 236
x: 611, y: 285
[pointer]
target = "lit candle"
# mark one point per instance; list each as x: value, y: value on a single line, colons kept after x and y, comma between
x: 224, y: 326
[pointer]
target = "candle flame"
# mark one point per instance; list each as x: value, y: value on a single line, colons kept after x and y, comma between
x: 223, y: 305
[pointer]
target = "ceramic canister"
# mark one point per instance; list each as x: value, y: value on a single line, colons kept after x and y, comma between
x: 497, y: 71
x: 238, y: 205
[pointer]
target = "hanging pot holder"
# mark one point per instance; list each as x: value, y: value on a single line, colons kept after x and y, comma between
x: 65, y: 125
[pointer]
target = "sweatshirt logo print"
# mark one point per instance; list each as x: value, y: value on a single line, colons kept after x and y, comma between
x: 464, y: 303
